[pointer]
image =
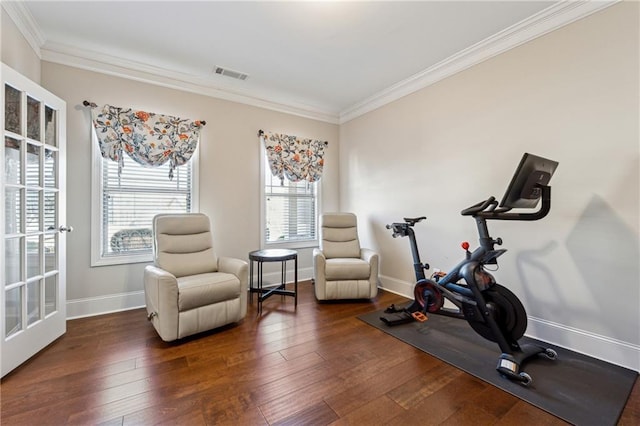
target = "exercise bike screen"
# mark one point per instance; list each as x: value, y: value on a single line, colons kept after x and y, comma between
x: 525, y: 187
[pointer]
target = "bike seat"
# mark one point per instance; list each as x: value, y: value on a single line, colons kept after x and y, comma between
x: 413, y: 221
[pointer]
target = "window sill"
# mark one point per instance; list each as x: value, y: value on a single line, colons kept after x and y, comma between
x: 121, y: 260
x: 290, y: 245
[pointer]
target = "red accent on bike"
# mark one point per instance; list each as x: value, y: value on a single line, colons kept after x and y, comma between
x: 465, y: 245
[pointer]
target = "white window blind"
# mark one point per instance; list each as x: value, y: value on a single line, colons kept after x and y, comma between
x: 290, y: 209
x: 131, y: 200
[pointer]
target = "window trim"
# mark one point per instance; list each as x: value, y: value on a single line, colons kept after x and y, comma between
x: 96, y: 208
x: 263, y: 209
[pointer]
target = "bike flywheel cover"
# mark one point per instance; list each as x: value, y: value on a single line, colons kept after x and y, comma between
x: 507, y: 311
x: 428, y: 295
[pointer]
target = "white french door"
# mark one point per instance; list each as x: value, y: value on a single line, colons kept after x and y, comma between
x: 33, y: 296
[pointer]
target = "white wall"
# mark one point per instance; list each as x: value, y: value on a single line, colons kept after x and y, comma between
x: 229, y: 175
x: 16, y: 51
x: 571, y: 96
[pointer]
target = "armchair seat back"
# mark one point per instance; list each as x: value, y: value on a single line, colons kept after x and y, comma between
x: 183, y: 244
x: 339, y: 236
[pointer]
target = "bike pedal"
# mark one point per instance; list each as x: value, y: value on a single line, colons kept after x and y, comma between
x: 419, y: 316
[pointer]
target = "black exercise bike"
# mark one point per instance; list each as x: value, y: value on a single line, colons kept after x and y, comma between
x: 491, y: 309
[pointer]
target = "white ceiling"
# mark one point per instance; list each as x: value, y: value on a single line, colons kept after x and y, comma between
x: 322, y: 59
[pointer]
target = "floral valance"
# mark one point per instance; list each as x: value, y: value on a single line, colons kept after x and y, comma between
x: 294, y: 158
x: 149, y: 139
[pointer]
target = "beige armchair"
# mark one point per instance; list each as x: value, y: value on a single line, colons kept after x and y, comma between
x: 189, y: 289
x: 341, y: 268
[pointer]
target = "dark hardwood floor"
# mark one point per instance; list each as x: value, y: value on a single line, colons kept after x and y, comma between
x: 318, y: 365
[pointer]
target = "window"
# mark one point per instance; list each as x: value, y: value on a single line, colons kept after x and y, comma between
x: 289, y: 211
x: 125, y: 205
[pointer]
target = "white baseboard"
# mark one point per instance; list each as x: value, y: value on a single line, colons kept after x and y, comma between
x: 611, y: 350
x: 392, y: 285
x: 92, y: 306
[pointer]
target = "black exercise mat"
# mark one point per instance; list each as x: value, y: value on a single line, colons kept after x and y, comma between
x: 577, y: 388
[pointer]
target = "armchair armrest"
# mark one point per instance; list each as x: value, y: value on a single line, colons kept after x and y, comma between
x: 319, y: 273
x: 368, y: 255
x: 319, y: 258
x: 234, y: 266
x: 373, y: 258
x: 240, y: 269
x: 157, y: 276
x: 161, y: 297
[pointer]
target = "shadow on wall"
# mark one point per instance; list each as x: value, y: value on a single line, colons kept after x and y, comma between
x: 539, y: 283
x: 606, y: 252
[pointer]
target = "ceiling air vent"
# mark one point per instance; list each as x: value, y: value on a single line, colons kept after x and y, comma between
x: 231, y: 73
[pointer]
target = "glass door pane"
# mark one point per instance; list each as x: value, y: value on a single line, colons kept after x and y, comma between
x: 33, y: 118
x: 13, y: 311
x: 12, y: 161
x: 50, y: 129
x: 50, y: 203
x: 33, y: 211
x: 50, y: 292
x: 12, y: 210
x: 50, y: 253
x: 12, y: 109
x: 33, y: 165
x: 33, y: 256
x: 33, y: 302
x: 12, y: 261
x: 50, y: 168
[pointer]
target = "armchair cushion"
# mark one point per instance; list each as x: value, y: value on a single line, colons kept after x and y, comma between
x: 347, y: 269
x: 206, y: 289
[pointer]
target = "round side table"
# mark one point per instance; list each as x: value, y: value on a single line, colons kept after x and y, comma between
x: 272, y: 255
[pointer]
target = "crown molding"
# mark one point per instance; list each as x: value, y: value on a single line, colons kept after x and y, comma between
x: 537, y: 25
x: 124, y: 68
x: 547, y: 20
x: 26, y: 24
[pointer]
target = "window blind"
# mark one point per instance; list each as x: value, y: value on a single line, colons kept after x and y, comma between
x: 290, y: 209
x: 131, y: 200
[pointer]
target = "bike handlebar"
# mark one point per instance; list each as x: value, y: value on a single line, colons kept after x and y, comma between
x: 481, y: 206
x: 397, y: 229
x: 487, y: 209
